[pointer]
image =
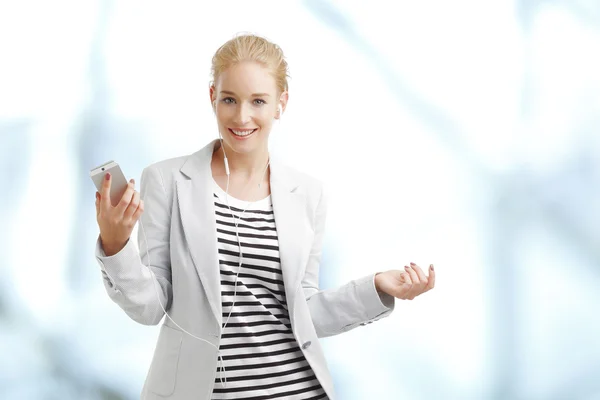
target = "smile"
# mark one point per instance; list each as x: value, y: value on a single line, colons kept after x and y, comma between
x: 242, y: 133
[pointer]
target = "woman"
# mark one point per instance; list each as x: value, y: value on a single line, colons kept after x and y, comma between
x: 241, y: 296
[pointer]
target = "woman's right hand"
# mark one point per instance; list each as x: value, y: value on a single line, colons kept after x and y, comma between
x: 117, y: 222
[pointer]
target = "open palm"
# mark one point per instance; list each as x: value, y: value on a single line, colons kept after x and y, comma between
x: 406, y: 284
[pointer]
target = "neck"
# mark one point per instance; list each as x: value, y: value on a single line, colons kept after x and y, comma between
x: 244, y: 166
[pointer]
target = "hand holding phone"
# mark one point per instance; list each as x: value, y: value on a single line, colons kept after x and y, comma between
x: 118, y: 206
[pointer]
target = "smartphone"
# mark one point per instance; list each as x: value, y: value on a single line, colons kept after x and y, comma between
x: 118, y: 183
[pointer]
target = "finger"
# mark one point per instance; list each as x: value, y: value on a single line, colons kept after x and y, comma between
x: 138, y: 213
x: 413, y: 275
x: 105, y: 193
x: 97, y: 203
x: 133, y: 205
x: 431, y: 282
x: 416, y: 286
x: 405, y: 290
x: 420, y: 273
x: 126, y: 197
x: 406, y: 278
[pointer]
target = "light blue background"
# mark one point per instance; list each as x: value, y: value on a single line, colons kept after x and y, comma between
x: 463, y: 134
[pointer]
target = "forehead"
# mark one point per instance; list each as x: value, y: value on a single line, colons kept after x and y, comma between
x: 246, y: 78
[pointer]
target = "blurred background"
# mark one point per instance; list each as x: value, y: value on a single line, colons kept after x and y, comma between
x: 463, y: 134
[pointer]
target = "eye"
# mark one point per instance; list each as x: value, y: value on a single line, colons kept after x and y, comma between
x: 259, y: 101
x: 228, y: 100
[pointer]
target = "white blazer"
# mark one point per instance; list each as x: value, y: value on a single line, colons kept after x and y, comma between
x: 180, y: 226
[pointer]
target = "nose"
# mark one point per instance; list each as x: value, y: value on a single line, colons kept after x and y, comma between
x: 243, y: 115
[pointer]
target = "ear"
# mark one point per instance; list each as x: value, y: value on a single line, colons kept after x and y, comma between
x: 283, y: 99
x: 213, y: 95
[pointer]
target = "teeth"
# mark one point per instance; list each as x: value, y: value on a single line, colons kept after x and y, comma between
x: 243, y: 133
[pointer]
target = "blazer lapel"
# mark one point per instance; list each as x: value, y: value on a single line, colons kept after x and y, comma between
x: 294, y: 234
x: 196, y: 205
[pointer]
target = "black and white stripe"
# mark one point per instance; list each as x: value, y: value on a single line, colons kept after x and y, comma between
x: 262, y: 358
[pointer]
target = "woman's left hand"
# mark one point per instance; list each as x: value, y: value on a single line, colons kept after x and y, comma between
x: 406, y: 284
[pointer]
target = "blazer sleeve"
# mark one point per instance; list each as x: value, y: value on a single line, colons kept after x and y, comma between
x: 127, y: 279
x: 338, y: 310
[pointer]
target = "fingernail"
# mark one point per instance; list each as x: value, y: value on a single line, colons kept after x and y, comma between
x: 412, y: 263
x: 406, y: 267
x: 107, y: 176
x: 132, y: 181
x: 431, y: 267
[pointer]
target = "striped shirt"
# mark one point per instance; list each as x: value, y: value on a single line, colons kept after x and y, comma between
x: 262, y: 358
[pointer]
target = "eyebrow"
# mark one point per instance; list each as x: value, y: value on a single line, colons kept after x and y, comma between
x: 254, y: 95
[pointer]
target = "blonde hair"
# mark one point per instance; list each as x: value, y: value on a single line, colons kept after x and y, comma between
x: 249, y: 47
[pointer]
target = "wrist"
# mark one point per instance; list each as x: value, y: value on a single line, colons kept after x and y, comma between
x: 377, y: 283
x: 110, y: 249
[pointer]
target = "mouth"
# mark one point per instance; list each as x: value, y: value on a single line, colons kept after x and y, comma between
x: 242, y: 133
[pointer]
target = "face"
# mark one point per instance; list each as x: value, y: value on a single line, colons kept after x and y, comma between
x: 246, y: 100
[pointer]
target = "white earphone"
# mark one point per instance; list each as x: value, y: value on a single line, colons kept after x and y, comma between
x: 222, y: 369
